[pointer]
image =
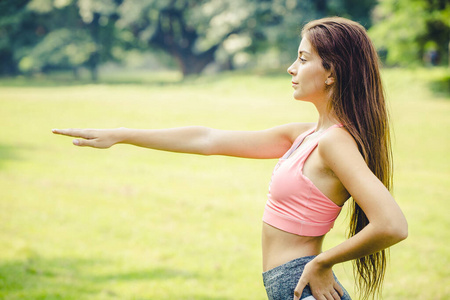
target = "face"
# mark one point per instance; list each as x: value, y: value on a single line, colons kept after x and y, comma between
x: 308, y: 75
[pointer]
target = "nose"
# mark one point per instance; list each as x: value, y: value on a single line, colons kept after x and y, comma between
x: 291, y: 70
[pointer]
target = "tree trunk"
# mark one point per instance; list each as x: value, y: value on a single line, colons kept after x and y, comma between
x: 94, y: 72
x: 94, y: 59
x: 192, y: 63
x: 175, y: 37
x: 8, y: 66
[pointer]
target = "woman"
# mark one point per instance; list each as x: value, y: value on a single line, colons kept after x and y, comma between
x: 345, y: 154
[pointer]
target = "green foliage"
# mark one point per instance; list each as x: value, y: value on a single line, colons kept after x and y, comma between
x: 88, y: 33
x: 18, y: 33
x: 190, y: 31
x: 441, y: 85
x: 357, y: 10
x: 404, y: 28
x: 60, y: 48
x: 65, y: 34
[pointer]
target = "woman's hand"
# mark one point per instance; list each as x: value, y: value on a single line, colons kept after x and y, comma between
x: 97, y: 138
x: 321, y: 282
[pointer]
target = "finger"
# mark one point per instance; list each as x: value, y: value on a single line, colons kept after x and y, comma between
x: 73, y: 132
x: 321, y: 297
x: 83, y: 143
x: 335, y: 295
x: 69, y: 132
x: 329, y: 296
x: 339, y: 289
x: 299, y: 290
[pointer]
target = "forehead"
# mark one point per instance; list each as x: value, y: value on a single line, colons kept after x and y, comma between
x: 305, y: 46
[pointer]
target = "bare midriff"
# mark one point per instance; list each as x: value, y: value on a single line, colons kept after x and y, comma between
x: 280, y: 247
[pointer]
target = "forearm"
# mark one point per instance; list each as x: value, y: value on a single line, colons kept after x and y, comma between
x: 192, y: 139
x: 369, y: 240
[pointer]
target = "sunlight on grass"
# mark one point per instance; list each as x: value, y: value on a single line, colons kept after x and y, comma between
x: 132, y: 223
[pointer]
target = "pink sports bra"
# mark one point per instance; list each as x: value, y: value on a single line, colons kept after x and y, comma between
x: 294, y: 203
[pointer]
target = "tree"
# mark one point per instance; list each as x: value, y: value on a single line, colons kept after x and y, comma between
x: 193, y: 31
x: 19, y: 31
x: 407, y: 30
x: 190, y: 31
x: 61, y: 34
x: 358, y: 10
x: 68, y: 34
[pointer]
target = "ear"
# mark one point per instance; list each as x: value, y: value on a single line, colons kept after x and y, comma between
x: 330, y: 80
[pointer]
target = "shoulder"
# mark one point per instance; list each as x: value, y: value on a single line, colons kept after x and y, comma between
x: 337, y: 148
x: 336, y: 137
x: 292, y: 130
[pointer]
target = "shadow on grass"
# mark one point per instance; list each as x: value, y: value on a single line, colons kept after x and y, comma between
x: 71, y: 278
x: 153, y: 274
x: 62, y: 79
x: 52, y: 81
x: 37, y: 278
x: 441, y: 86
x: 7, y: 153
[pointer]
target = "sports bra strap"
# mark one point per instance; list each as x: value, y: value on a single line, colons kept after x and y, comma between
x: 303, y: 136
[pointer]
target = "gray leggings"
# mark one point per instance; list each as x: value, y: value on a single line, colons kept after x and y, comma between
x: 280, y: 282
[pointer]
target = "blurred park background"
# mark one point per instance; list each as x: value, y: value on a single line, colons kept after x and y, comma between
x: 45, y: 36
x: 132, y: 223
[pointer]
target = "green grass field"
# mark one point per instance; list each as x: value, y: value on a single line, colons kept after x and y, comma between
x: 133, y: 223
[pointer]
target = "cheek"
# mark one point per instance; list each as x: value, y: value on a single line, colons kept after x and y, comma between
x: 318, y: 78
x: 318, y: 83
x: 312, y: 83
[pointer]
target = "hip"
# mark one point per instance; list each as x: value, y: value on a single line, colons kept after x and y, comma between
x: 280, y: 282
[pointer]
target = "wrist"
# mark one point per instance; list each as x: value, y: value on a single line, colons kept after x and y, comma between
x: 322, y: 261
x: 120, y: 135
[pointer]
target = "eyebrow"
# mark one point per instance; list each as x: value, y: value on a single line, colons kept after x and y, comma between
x: 303, y: 52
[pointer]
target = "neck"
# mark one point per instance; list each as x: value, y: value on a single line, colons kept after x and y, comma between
x: 326, y: 118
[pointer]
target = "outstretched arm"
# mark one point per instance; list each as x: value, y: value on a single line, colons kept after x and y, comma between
x: 269, y: 143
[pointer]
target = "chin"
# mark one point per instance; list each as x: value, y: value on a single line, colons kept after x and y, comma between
x: 304, y: 98
x: 299, y: 98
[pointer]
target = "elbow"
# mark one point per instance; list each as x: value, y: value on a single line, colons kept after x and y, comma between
x: 204, y: 144
x: 206, y: 148
x: 208, y: 143
x: 402, y: 229
x: 396, y: 231
x: 405, y: 231
x: 401, y: 233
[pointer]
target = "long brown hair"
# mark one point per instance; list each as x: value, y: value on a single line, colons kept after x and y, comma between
x: 358, y: 102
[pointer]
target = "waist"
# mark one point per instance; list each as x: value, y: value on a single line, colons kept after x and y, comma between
x: 303, y: 224
x: 280, y: 247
